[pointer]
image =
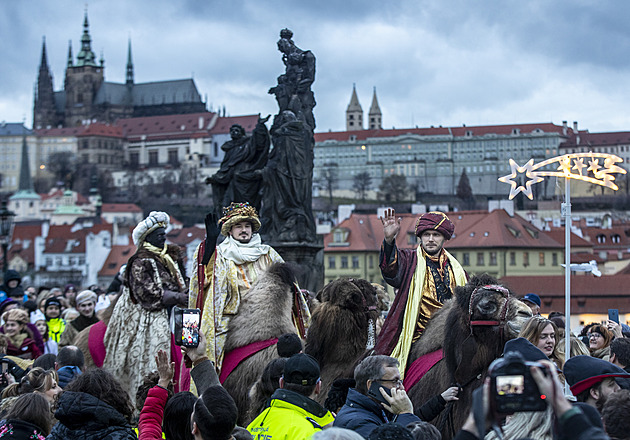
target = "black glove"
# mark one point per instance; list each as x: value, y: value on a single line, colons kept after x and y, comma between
x: 212, y: 233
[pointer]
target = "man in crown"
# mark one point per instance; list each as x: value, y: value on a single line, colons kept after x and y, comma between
x: 425, y: 279
x: 225, y: 272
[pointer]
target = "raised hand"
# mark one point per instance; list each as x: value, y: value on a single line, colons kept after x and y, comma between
x: 166, y: 369
x: 212, y: 233
x: 391, y: 225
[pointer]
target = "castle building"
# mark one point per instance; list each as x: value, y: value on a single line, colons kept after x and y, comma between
x: 87, y: 97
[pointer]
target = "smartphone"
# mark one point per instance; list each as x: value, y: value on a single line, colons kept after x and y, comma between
x: 613, y: 315
x: 375, y: 392
x: 185, y: 326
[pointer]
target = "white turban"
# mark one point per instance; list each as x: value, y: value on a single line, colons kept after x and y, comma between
x: 155, y: 220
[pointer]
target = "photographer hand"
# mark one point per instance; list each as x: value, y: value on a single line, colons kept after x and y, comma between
x: 197, y: 354
x: 549, y: 384
x: 399, y: 402
x: 615, y: 328
x: 166, y: 369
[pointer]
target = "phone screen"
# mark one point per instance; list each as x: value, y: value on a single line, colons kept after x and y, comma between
x: 190, y: 328
x: 510, y: 385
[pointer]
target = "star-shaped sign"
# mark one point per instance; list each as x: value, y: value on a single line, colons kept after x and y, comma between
x: 530, y: 179
x: 578, y: 165
x: 593, y: 167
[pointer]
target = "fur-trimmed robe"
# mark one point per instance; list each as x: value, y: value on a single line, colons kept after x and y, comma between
x: 139, y: 325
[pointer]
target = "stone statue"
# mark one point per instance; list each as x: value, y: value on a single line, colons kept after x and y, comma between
x: 238, y: 178
x: 288, y: 177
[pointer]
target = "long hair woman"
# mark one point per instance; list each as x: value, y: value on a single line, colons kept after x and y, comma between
x: 544, y: 334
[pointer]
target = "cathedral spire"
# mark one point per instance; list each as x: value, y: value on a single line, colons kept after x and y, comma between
x: 354, y: 112
x: 129, y: 64
x: 375, y: 114
x: 70, y: 59
x: 26, y: 183
x: 44, y: 103
x: 86, y: 57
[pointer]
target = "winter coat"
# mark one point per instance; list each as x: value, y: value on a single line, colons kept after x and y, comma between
x: 19, y: 429
x: 290, y: 416
x: 28, y: 348
x: 152, y: 414
x: 67, y: 375
x: 363, y: 415
x: 82, y: 416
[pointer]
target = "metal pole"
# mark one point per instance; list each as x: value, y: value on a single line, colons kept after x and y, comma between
x: 567, y: 276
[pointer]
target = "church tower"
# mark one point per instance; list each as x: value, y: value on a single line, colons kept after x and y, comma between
x: 375, y: 116
x: 44, y: 110
x: 25, y: 202
x: 354, y: 112
x: 129, y: 65
x: 83, y: 80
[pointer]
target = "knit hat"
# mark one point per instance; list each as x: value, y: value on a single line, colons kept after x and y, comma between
x: 52, y: 301
x: 155, y: 220
x: 301, y: 369
x: 5, y: 303
x: 37, y: 315
x: 238, y: 212
x: 583, y: 372
x: 437, y: 221
x: 17, y: 315
x: 85, y: 296
x: 532, y: 298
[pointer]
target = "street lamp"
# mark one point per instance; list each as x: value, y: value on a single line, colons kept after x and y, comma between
x: 6, y: 228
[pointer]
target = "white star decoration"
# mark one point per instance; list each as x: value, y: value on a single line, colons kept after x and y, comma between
x: 534, y: 173
x: 517, y: 170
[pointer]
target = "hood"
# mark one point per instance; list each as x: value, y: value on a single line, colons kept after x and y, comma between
x: 85, y: 412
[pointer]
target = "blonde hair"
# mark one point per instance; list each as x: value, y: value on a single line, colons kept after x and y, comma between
x: 534, y: 328
x: 36, y: 380
x: 526, y: 424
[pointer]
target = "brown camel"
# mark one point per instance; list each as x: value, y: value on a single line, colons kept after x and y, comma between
x: 264, y: 313
x: 472, y: 329
x: 343, y: 328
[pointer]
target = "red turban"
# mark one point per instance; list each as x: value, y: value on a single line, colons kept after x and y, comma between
x: 437, y: 221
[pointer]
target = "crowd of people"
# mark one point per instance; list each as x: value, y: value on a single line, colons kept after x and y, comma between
x: 60, y: 380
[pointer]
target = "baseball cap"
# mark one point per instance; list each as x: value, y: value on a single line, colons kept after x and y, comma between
x: 532, y: 298
x: 301, y: 369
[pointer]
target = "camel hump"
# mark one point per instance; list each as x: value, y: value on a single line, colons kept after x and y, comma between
x: 285, y: 272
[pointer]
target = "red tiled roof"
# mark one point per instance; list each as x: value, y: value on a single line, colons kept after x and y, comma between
x: 479, y: 130
x: 105, y: 130
x: 81, y: 199
x: 120, y: 207
x: 576, y: 241
x: 598, y: 139
x: 497, y: 230
x: 248, y: 122
x: 365, y: 232
x: 59, y: 245
x: 163, y: 127
x: 184, y: 236
x: 26, y: 231
x: 66, y: 131
x: 621, y: 230
x: 589, y: 294
x: 118, y: 256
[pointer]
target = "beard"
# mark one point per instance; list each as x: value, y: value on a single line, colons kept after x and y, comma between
x: 243, y: 239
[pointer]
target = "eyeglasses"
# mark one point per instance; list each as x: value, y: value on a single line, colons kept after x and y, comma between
x: 594, y: 335
x: 396, y: 382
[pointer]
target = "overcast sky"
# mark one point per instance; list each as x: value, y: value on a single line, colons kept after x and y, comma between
x: 433, y: 62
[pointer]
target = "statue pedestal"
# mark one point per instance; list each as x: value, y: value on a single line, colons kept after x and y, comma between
x: 309, y: 259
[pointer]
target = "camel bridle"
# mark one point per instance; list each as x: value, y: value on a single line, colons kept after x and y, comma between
x: 504, y: 310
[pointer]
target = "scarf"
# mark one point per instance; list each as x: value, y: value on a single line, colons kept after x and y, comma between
x: 17, y: 340
x: 241, y: 253
x: 412, y: 308
x: 169, y: 263
x: 83, y: 322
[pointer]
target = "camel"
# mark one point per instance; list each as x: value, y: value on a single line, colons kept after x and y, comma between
x: 471, y: 329
x: 264, y: 313
x: 343, y: 328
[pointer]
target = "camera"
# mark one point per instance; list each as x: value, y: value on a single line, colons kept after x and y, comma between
x: 185, y: 326
x: 512, y: 387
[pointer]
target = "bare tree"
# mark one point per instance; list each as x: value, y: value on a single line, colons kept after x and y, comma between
x: 464, y: 191
x: 394, y: 188
x: 362, y: 184
x: 329, y: 179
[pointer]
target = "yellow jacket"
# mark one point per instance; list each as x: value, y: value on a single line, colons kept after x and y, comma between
x: 290, y: 416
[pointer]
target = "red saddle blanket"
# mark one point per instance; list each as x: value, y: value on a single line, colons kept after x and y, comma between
x: 238, y: 355
x: 420, y: 367
x: 95, y: 343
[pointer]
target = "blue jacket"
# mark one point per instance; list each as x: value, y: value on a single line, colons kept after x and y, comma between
x: 362, y: 415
